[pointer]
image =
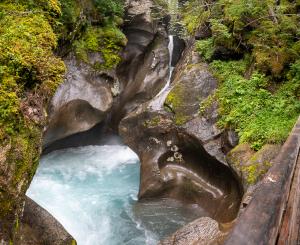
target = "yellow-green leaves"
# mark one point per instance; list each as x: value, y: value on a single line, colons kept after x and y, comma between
x: 26, y: 58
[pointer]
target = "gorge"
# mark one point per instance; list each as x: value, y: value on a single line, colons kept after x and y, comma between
x: 149, y: 121
x: 92, y: 190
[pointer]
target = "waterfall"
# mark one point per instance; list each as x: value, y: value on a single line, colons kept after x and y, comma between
x: 159, y: 99
x: 171, y: 68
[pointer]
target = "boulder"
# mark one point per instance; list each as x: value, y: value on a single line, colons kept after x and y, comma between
x: 145, y: 67
x: 38, y: 227
x: 74, y: 117
x: 174, y: 164
x: 194, y: 84
x: 203, y: 231
x: 249, y: 165
x: 180, y: 149
x: 83, y: 83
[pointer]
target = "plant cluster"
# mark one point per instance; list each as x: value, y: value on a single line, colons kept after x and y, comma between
x: 93, y: 26
x: 253, y: 49
x: 110, y: 8
x: 107, y: 40
x: 26, y: 59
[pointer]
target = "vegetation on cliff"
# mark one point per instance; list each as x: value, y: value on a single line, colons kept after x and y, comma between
x: 253, y: 48
x: 30, y: 31
x: 92, y: 26
x: 29, y: 74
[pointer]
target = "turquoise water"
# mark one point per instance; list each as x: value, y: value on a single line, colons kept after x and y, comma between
x: 93, y: 190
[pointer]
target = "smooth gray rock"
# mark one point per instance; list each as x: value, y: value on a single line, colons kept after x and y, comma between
x: 38, y: 227
x: 74, y: 117
x: 203, y: 231
x: 84, y: 83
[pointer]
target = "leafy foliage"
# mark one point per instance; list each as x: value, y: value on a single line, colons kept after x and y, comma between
x: 259, y: 115
x: 195, y: 13
x: 268, y: 31
x: 254, y: 52
x: 110, y: 7
x: 26, y: 60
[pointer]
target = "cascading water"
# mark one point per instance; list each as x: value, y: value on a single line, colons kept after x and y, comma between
x: 92, y: 192
x: 159, y: 99
x: 171, y: 68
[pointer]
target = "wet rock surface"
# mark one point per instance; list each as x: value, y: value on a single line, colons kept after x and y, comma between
x: 38, y: 227
x: 203, y: 231
x: 174, y: 164
x: 182, y: 151
x: 183, y: 159
x: 74, y: 117
x: 145, y: 67
x: 84, y: 83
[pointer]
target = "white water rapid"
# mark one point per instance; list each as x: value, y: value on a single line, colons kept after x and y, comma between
x: 92, y: 192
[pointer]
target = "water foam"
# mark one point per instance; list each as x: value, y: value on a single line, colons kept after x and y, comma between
x: 92, y: 191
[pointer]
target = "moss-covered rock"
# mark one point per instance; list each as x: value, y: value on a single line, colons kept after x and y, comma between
x: 106, y: 41
x: 29, y: 75
x: 194, y: 84
x: 250, y: 165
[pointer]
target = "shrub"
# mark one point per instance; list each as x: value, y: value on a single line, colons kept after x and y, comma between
x: 110, y: 7
x: 247, y: 105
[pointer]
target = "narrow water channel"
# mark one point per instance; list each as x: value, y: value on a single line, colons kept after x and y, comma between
x: 92, y: 191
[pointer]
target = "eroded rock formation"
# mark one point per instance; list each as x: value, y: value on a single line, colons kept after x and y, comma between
x: 182, y: 151
x: 180, y: 157
x: 38, y: 227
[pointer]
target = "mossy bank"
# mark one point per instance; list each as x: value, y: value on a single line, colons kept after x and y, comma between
x: 31, y: 32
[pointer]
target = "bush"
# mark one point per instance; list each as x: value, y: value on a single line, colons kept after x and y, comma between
x: 248, y: 106
x: 258, y: 93
x: 110, y: 7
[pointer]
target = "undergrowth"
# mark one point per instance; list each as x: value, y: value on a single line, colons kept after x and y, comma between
x: 257, y: 113
x: 253, y: 48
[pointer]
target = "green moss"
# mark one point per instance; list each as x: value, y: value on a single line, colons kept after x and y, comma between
x: 107, y: 40
x: 176, y: 102
x: 255, y: 171
x: 28, y: 69
x: 152, y: 122
x: 26, y: 61
x: 174, y: 98
x: 252, y: 174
